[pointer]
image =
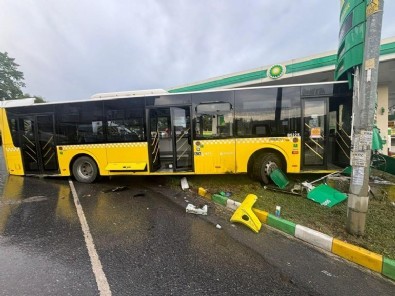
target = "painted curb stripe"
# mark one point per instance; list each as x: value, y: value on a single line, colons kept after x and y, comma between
x: 232, y: 204
x: 314, y: 237
x: 358, y: 255
x: 389, y: 268
x: 281, y: 224
x: 219, y: 199
x: 262, y: 215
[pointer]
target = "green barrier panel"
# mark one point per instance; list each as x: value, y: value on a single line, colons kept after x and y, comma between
x: 389, y: 268
x: 219, y: 199
x: 326, y: 195
x: 279, y: 178
x: 281, y: 224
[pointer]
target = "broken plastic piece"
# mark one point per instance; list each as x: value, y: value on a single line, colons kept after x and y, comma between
x: 275, y: 189
x: 278, y: 211
x: 326, y: 195
x: 116, y: 189
x: 202, y: 191
x: 246, y: 216
x: 218, y: 226
x: 219, y: 199
x: 279, y: 178
x: 308, y: 186
x: 226, y: 193
x: 184, y: 183
x: 198, y: 211
x: 139, y: 194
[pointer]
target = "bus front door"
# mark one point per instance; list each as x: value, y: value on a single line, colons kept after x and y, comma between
x: 37, y: 135
x: 314, y: 133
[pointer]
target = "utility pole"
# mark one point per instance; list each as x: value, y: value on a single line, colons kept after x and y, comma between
x: 364, y: 103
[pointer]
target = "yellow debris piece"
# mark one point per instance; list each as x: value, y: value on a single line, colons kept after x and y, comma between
x: 245, y: 215
x: 204, y: 192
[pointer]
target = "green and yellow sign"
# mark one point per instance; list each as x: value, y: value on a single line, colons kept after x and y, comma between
x: 276, y: 71
x: 351, y: 35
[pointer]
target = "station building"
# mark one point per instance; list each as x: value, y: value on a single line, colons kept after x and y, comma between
x: 316, y: 68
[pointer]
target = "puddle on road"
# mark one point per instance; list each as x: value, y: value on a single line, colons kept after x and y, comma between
x: 26, y: 200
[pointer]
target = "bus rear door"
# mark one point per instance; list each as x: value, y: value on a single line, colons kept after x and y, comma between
x: 170, y: 139
x: 314, y: 133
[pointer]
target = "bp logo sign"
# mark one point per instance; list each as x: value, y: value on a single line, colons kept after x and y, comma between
x: 276, y: 71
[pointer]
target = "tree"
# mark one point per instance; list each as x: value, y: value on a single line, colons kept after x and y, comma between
x: 11, y: 80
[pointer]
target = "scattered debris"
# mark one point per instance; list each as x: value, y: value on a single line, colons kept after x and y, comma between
x: 308, y: 186
x: 184, y: 183
x: 326, y: 195
x: 116, y: 189
x: 139, y: 194
x: 279, y: 178
x: 202, y: 191
x: 246, y: 216
x: 219, y: 199
x: 297, y: 189
x: 378, y: 180
x: 275, y: 189
x: 218, y: 226
x: 195, y: 210
x: 326, y: 273
x: 226, y: 193
x: 277, y: 213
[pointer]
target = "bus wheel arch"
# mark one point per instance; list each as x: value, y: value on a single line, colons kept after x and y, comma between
x: 84, y: 168
x: 263, y: 162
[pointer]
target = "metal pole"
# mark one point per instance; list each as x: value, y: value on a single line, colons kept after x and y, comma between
x: 364, y: 104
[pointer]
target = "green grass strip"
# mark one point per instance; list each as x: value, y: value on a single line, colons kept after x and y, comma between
x: 281, y: 224
x: 389, y: 268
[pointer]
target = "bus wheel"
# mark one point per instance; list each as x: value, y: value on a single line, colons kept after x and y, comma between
x: 85, y: 169
x: 265, y: 165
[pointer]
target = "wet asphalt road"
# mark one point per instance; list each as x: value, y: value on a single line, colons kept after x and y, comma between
x: 147, y: 245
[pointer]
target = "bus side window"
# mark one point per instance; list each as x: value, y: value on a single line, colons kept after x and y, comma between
x: 214, y: 120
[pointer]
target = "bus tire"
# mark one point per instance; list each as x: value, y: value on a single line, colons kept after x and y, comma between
x: 85, y: 169
x: 265, y: 164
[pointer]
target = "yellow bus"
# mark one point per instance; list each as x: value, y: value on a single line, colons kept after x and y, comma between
x: 297, y: 128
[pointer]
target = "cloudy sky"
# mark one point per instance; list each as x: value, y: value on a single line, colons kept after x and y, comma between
x: 73, y: 49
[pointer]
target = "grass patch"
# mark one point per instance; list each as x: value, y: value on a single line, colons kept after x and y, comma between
x: 379, y: 235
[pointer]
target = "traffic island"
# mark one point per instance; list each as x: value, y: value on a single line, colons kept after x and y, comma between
x: 352, y: 253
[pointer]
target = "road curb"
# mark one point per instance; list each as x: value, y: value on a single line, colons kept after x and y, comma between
x: 355, y: 254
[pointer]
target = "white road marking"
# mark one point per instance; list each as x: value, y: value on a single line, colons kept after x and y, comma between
x: 101, y: 280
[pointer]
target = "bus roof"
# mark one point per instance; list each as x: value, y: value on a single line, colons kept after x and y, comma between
x: 161, y: 92
x: 17, y: 103
x: 128, y: 94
